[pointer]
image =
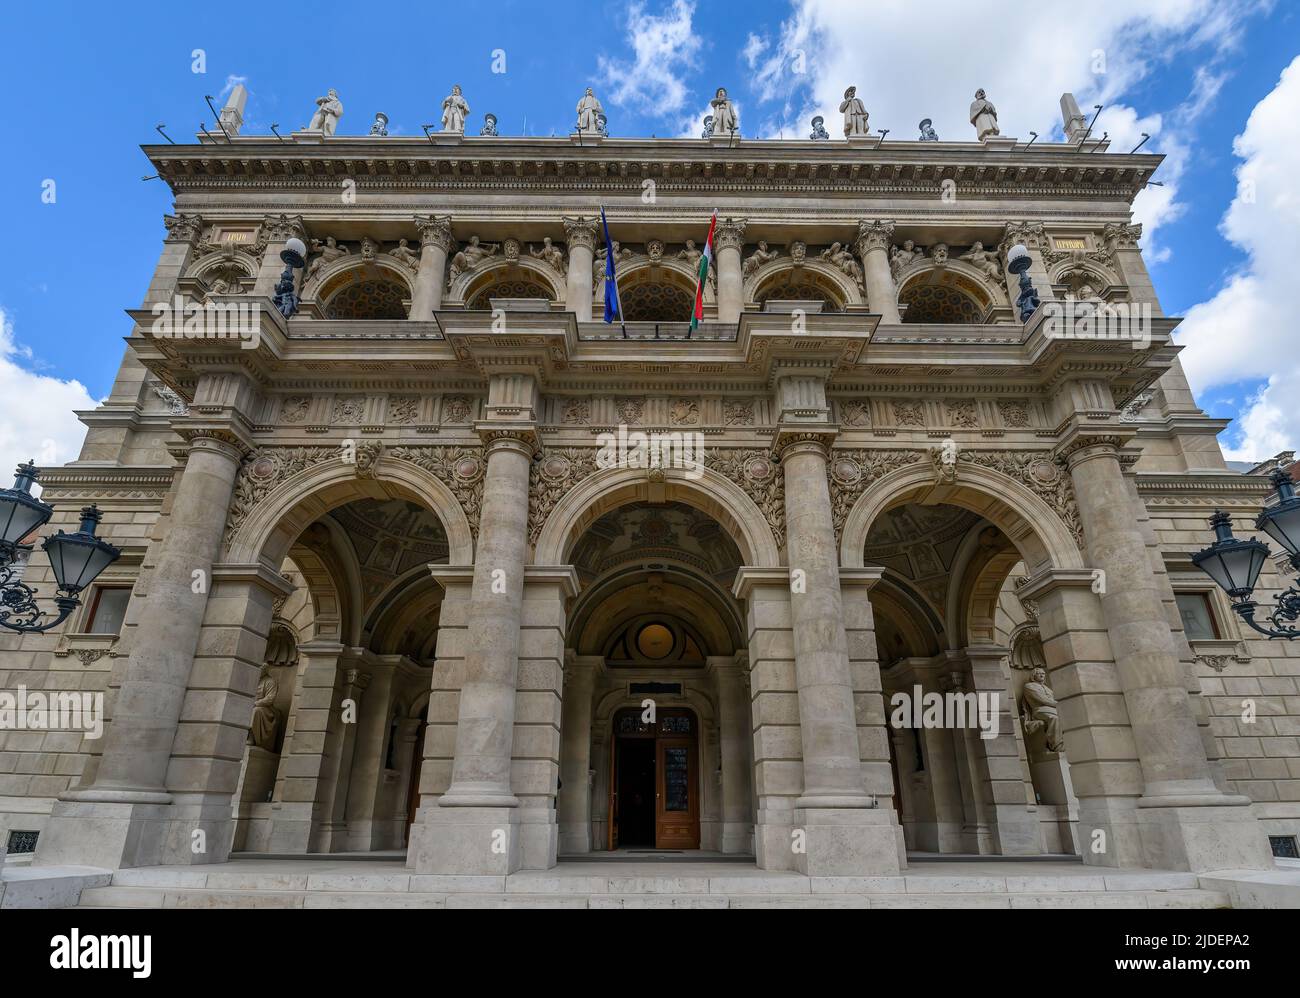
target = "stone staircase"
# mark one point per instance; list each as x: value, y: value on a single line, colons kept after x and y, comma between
x: 322, y: 884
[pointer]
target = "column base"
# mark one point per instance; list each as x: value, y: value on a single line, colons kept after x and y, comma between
x: 466, y: 841
x: 1202, y: 838
x: 737, y: 838
x: 117, y: 835
x: 847, y: 842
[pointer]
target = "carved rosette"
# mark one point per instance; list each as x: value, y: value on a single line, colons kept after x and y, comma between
x: 874, y: 235
x: 849, y: 472
x: 579, y: 232
x: 730, y: 234
x: 434, y: 230
x: 762, y: 479
x: 551, y: 478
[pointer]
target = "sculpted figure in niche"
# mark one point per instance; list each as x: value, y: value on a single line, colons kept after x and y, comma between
x: 329, y: 109
x: 265, y: 716
x: 590, y: 114
x: 759, y: 257
x: 598, y: 260
x: 1038, y: 710
x: 550, y: 253
x: 725, y: 121
x: 985, y: 260
x: 691, y: 255
x: 455, y: 110
x: 328, y: 251
x: 984, y: 116
x: 855, y: 114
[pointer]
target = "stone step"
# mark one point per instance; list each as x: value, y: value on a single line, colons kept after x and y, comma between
x: 156, y: 897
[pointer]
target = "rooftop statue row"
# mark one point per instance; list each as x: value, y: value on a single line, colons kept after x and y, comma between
x: 722, y: 123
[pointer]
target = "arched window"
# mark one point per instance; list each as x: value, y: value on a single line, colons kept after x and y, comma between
x: 370, y: 299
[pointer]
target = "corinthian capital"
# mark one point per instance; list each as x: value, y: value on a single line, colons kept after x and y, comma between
x: 1030, y: 234
x: 874, y: 235
x: 580, y: 232
x: 434, y: 229
x: 183, y: 228
x: 730, y: 234
x: 278, y: 228
x: 1120, y: 235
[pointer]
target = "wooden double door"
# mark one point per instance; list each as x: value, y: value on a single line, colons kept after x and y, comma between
x: 654, y: 794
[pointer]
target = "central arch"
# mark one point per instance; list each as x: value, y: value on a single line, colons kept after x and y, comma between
x: 609, y: 488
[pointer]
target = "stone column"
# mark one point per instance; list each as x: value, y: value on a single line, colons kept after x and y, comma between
x: 477, y: 821
x: 734, y: 734
x: 1013, y: 822
x: 846, y: 834
x: 728, y: 240
x: 435, y: 242
x: 275, y: 232
x: 581, y: 235
x: 574, y: 804
x: 873, y: 247
x: 105, y: 823
x: 1183, y: 819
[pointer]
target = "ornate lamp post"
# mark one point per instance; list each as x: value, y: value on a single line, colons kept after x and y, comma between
x: 1019, y: 262
x: 294, y: 256
x: 77, y: 559
x: 1235, y: 565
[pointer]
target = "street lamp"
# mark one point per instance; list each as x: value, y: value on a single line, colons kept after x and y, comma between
x: 1018, y: 262
x: 1235, y: 565
x: 294, y: 256
x: 77, y: 559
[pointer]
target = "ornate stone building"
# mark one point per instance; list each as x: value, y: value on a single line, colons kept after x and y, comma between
x: 382, y: 586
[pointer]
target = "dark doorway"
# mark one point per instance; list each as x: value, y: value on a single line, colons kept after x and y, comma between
x: 636, y: 792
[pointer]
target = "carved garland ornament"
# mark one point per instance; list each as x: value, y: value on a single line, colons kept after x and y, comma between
x: 851, y: 471
x: 762, y: 479
x: 1046, y: 478
x: 553, y: 477
x: 461, y: 469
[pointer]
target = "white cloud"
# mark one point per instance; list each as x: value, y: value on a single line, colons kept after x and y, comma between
x: 38, y: 422
x: 1246, y: 331
x: 1025, y: 58
x: 663, y: 46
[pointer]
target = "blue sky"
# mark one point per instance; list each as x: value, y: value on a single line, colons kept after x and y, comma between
x: 88, y: 83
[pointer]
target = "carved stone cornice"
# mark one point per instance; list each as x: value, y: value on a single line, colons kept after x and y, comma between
x: 435, y: 229
x: 730, y: 234
x: 579, y: 232
x: 183, y: 228
x: 874, y: 235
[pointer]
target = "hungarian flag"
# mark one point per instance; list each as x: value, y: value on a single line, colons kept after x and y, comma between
x: 706, y: 258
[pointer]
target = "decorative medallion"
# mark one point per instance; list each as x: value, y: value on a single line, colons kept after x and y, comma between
x: 294, y: 409
x: 855, y: 412
x: 404, y: 409
x: 684, y: 412
x: 630, y: 410
x: 456, y: 409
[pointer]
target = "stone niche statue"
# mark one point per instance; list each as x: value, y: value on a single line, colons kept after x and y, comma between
x: 329, y: 109
x: 928, y: 134
x: 986, y: 260
x: 819, y: 132
x: 984, y: 116
x: 1038, y: 710
x: 590, y: 115
x: 455, y: 110
x: 855, y: 114
x: 725, y: 121
x: 550, y: 253
x: 266, y: 718
x: 380, y: 127
x: 759, y: 257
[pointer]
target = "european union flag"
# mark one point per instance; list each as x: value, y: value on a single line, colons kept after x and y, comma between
x: 613, y: 307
